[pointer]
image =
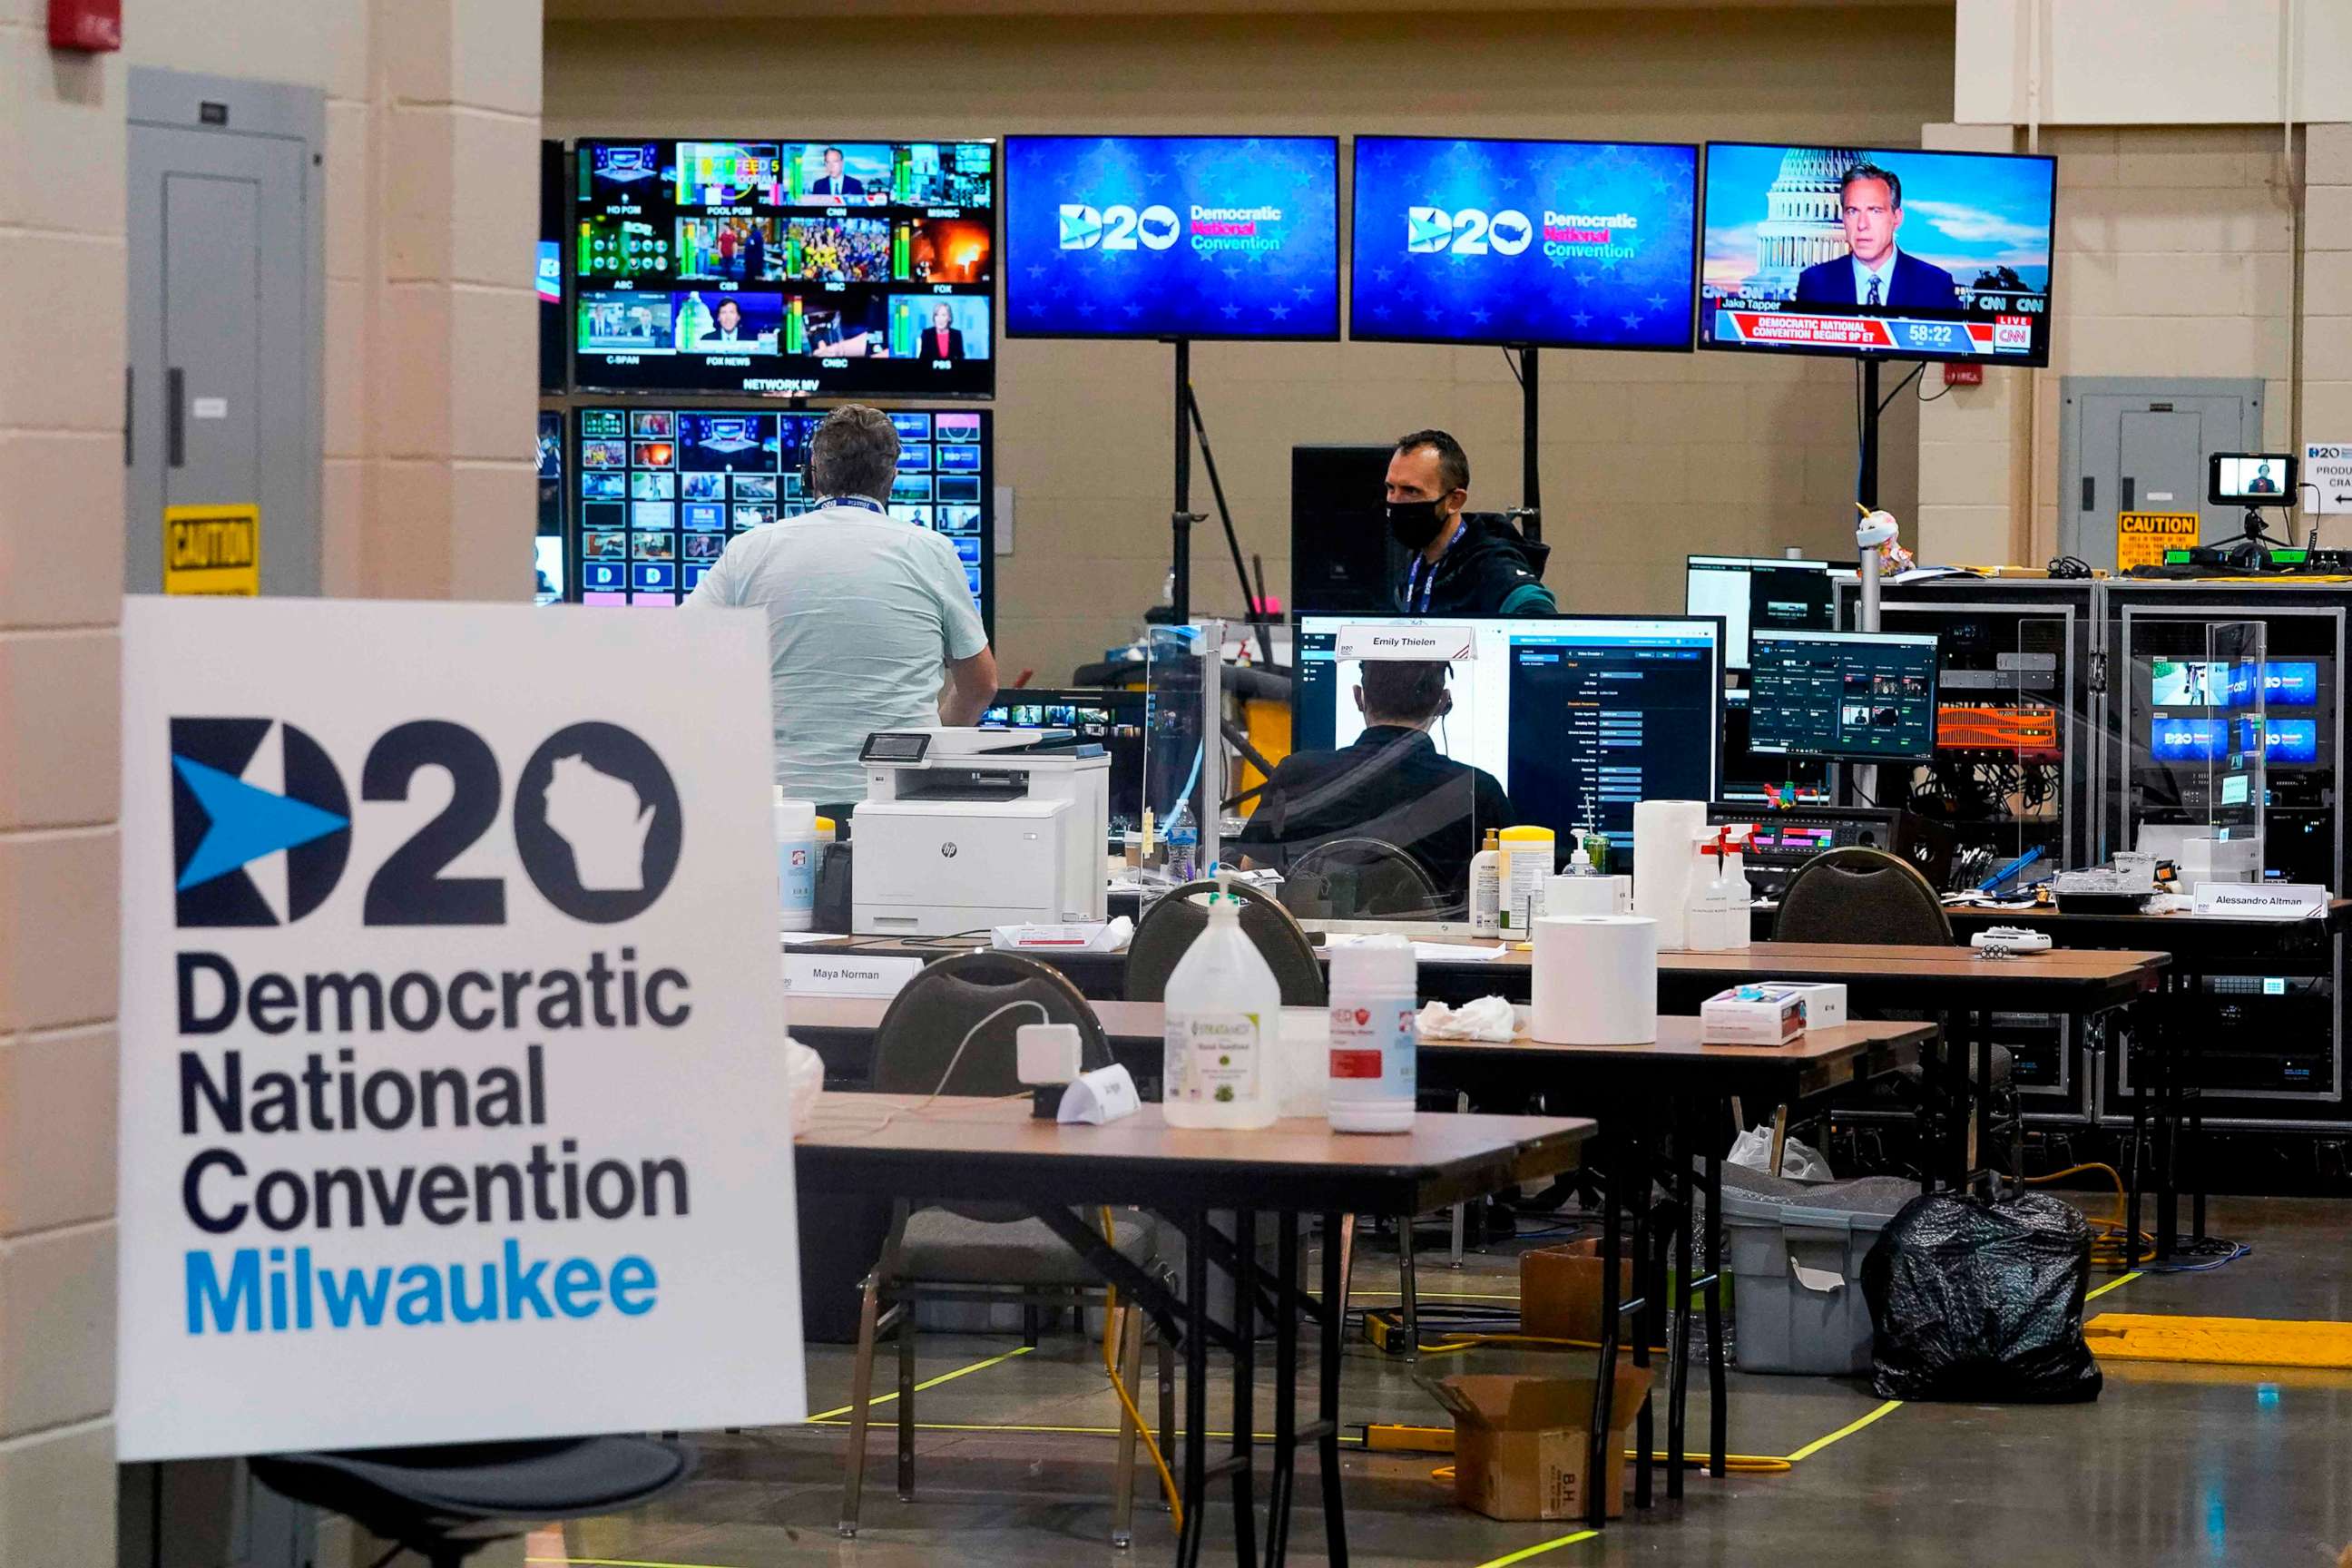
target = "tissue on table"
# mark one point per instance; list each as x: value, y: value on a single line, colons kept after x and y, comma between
x: 1488, y: 1019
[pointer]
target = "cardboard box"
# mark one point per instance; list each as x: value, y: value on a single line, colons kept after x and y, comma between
x: 1752, y: 1016
x: 1521, y: 1444
x: 1559, y: 1290
x: 1824, y: 1006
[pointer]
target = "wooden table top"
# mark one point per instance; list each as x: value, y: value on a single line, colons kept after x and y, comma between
x: 898, y: 1146
x: 1819, y: 1058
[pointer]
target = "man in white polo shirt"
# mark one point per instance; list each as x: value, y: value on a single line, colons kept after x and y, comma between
x: 870, y: 623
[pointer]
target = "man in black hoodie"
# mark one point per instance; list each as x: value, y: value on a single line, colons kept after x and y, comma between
x: 1462, y: 565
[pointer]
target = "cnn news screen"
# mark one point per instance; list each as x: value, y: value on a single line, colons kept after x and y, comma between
x: 1856, y: 250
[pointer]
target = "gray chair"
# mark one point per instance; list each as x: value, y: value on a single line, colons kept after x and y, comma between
x: 1169, y: 927
x: 992, y: 1252
x: 1861, y: 895
x: 1360, y: 879
x: 447, y: 1503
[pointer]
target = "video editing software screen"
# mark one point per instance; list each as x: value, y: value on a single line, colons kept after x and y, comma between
x: 786, y: 267
x: 1114, y: 719
x: 1579, y: 717
x: 1165, y: 237
x: 1852, y: 251
x: 1548, y: 243
x: 660, y: 492
x: 1762, y: 594
x: 1864, y: 695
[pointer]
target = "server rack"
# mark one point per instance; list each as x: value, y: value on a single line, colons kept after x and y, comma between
x: 2017, y: 681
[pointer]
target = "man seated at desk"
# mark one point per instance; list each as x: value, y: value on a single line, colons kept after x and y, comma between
x: 1392, y: 785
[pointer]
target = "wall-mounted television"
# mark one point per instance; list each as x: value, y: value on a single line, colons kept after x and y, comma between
x: 1861, y: 251
x: 658, y: 493
x: 548, y: 274
x: 1541, y: 244
x: 1172, y: 236
x: 786, y: 268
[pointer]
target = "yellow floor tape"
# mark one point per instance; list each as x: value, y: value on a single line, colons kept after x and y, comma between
x: 934, y: 1382
x: 2220, y: 1341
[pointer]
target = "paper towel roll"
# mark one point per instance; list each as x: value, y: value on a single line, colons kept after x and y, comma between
x: 1664, y: 862
x: 1589, y: 896
x: 1595, y: 980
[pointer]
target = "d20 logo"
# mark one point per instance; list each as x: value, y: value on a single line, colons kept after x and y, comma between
x: 261, y: 825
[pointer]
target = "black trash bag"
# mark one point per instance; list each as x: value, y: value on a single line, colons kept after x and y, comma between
x: 1981, y: 1300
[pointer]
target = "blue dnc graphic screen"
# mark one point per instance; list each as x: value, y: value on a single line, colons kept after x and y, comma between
x: 1167, y: 236
x: 1554, y: 244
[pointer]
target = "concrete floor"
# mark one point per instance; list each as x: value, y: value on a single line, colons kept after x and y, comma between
x: 2171, y: 1465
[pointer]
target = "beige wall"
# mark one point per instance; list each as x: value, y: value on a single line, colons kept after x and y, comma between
x: 431, y: 209
x: 2177, y: 256
x: 61, y: 216
x: 2152, y: 62
x: 1748, y: 455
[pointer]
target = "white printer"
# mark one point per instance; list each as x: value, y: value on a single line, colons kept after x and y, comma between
x: 962, y: 830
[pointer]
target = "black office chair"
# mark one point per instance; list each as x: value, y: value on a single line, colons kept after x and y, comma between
x: 1169, y: 927
x: 986, y: 1252
x: 1861, y: 896
x: 1868, y: 896
x: 447, y: 1503
x: 1360, y: 879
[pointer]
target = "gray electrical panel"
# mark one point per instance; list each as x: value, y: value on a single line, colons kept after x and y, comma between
x: 2134, y: 443
x: 221, y: 393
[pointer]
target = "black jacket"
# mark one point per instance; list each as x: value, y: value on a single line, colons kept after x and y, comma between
x: 1490, y: 570
x: 1392, y: 784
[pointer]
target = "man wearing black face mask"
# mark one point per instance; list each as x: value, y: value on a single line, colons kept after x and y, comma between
x: 1462, y: 565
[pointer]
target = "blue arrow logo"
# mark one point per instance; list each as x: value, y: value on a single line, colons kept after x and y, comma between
x: 247, y: 823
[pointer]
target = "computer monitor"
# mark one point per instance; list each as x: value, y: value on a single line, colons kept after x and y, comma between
x: 2251, y: 479
x: 1892, y: 253
x: 1172, y: 236
x: 1113, y: 719
x: 1579, y: 717
x: 1762, y: 593
x: 1868, y: 696
x: 785, y: 267
x: 661, y: 491
x: 1541, y: 244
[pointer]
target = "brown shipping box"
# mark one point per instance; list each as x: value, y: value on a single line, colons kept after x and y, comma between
x: 1520, y: 1443
x: 1559, y: 1291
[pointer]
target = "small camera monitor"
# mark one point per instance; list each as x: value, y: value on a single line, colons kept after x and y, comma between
x: 2250, y: 479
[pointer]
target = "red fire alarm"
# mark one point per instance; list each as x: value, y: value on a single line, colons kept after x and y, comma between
x: 86, y: 26
x: 1964, y: 375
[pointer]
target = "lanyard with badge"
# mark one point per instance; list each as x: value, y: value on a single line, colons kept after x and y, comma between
x: 863, y: 503
x: 1413, y: 579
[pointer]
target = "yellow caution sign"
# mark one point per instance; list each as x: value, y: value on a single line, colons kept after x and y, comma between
x: 2143, y: 537
x: 211, y: 550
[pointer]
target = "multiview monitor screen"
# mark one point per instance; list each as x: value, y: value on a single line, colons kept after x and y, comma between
x: 1544, y: 244
x: 786, y: 267
x: 1870, y: 251
x: 1861, y: 695
x: 1169, y: 237
x: 661, y: 492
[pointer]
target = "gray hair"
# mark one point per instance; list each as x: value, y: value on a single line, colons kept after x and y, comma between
x: 855, y: 453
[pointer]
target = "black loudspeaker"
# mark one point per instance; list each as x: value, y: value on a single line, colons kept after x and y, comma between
x: 1342, y: 561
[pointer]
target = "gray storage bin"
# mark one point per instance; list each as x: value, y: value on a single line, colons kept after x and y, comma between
x: 1799, y: 1305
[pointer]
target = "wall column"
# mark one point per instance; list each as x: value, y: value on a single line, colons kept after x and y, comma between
x: 62, y: 160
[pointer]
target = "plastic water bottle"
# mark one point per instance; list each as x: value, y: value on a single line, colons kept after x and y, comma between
x: 1183, y: 845
x: 1222, y: 1016
x: 795, y: 823
x: 1375, y: 991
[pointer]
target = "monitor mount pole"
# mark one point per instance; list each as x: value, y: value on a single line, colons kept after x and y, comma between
x: 1864, y: 777
x: 1189, y: 425
x: 1529, y: 515
x: 1180, y: 521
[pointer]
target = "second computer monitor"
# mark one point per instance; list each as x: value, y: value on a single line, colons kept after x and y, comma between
x: 1868, y: 696
x: 1755, y: 594
x: 1578, y: 718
